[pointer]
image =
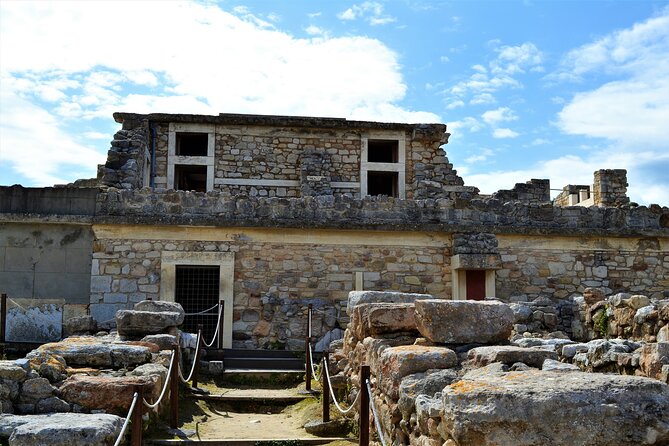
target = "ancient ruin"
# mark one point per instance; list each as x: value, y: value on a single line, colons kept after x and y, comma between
x: 467, y: 307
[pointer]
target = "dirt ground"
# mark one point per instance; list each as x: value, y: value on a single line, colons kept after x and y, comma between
x: 212, y: 420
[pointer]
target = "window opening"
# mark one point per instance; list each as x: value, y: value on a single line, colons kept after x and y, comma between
x: 382, y: 151
x: 196, y: 289
x: 192, y: 144
x: 475, y: 284
x: 190, y: 177
x: 382, y: 183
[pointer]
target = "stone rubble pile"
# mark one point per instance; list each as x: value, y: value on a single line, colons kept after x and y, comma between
x: 463, y: 382
x: 78, y: 389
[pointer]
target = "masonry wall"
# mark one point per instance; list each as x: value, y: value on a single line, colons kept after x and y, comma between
x: 558, y: 267
x: 276, y: 272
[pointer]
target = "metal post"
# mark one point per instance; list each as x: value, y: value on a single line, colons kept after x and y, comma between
x: 221, y: 309
x: 137, y: 422
x: 196, y: 365
x: 326, y: 388
x: 3, y: 321
x: 174, y: 390
x: 307, y: 352
x: 363, y: 422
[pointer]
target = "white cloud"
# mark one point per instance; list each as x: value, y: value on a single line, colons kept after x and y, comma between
x: 482, y: 99
x: 314, y: 30
x: 501, y: 114
x: 455, y: 104
x: 480, y: 157
x: 469, y: 123
x: 372, y: 12
x: 444, y: 59
x: 515, y: 59
x: 504, y: 133
x: 540, y: 141
x: 633, y: 109
x: 49, y: 68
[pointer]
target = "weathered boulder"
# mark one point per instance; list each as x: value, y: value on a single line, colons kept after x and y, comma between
x: 50, y: 366
x: 653, y: 357
x: 159, y: 306
x: 560, y: 409
x: 464, y: 321
x: 425, y: 383
x: 35, y: 389
x: 593, y: 295
x: 59, y: 429
x: 551, y: 365
x: 141, y: 323
x: 52, y: 404
x: 509, y: 354
x: 381, y: 318
x: 91, y: 351
x: 395, y: 363
x: 334, y: 428
x: 11, y: 371
x: 111, y: 394
x: 366, y: 297
x: 163, y: 341
x: 79, y: 325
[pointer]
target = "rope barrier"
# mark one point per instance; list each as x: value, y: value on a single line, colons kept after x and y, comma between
x: 162, y: 393
x: 334, y: 400
x: 218, y: 326
x: 201, y: 312
x: 311, y: 363
x: 376, y: 416
x: 135, y: 397
x: 192, y: 370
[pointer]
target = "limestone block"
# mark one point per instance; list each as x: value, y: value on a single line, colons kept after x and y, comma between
x: 382, y: 318
x: 161, y: 306
x: 11, y: 371
x: 551, y: 365
x: 638, y: 301
x: 365, y: 297
x: 60, y: 429
x: 163, y: 341
x: 141, y: 323
x: 560, y: 409
x: 653, y: 357
x: 395, y: 363
x: 111, y: 394
x: 35, y: 389
x: 89, y: 351
x: 463, y: 322
x: 425, y: 383
x: 508, y: 354
x: 79, y: 325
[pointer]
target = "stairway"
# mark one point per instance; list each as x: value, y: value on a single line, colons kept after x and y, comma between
x: 256, y: 361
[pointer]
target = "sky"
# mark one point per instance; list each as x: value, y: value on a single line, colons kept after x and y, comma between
x: 528, y: 89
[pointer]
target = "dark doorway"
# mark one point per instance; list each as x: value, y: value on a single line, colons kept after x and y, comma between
x: 196, y: 289
x: 475, y: 284
x: 189, y: 177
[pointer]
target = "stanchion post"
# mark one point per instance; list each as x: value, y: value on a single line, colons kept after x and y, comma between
x: 174, y: 390
x: 307, y: 352
x: 221, y: 309
x: 196, y: 372
x: 137, y: 421
x: 3, y: 321
x: 326, y: 388
x: 363, y: 422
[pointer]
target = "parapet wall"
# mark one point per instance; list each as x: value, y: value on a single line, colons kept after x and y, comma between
x: 452, y: 215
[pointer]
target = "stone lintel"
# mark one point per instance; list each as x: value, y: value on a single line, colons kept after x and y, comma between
x: 476, y: 261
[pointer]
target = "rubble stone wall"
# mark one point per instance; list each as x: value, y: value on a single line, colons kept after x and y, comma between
x: 274, y: 281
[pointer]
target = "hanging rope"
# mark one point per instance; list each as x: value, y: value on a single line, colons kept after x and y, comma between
x: 377, y: 423
x: 167, y: 381
x: 201, y: 312
x: 192, y: 369
x: 311, y: 364
x: 334, y: 400
x: 218, y: 326
x: 135, y: 397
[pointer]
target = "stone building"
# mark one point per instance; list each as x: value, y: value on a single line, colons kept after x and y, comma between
x: 271, y: 213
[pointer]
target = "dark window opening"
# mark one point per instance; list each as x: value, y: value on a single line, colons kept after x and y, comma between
x: 382, y: 151
x: 192, y: 144
x: 382, y: 183
x: 190, y: 178
x: 475, y: 284
x: 196, y: 289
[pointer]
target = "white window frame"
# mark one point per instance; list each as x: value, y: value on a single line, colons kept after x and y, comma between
x: 173, y: 159
x: 399, y: 166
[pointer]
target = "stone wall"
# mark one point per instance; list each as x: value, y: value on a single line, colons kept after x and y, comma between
x: 610, y: 188
x: 533, y: 191
x: 273, y: 281
x: 126, y: 157
x: 54, y: 201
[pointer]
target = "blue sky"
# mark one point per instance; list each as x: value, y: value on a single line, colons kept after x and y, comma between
x: 533, y: 89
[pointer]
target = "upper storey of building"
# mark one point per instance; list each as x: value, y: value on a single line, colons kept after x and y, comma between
x: 281, y: 156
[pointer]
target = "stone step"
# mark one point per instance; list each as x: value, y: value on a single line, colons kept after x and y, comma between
x: 247, y: 441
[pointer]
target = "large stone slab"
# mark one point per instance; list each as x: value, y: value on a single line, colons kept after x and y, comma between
x: 395, y: 363
x: 509, y: 354
x: 111, y: 394
x: 464, y: 321
x: 561, y: 409
x: 382, y: 318
x: 11, y: 371
x: 653, y: 357
x: 141, y: 323
x: 91, y: 351
x: 159, y: 306
x: 368, y: 297
x: 60, y: 429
